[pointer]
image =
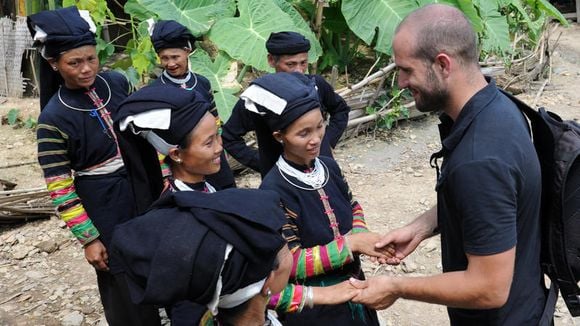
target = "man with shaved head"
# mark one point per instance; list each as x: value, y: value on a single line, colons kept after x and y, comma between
x: 488, y: 186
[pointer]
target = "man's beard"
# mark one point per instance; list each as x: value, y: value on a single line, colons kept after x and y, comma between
x: 433, y: 99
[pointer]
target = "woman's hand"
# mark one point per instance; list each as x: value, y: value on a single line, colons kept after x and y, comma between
x: 335, y: 294
x: 96, y: 254
x: 365, y: 243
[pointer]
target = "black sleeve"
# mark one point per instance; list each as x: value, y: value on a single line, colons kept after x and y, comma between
x: 239, y: 124
x: 336, y: 108
x: 485, y: 197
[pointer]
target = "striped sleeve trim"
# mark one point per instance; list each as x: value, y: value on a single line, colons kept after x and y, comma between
x: 50, y: 140
x: 318, y: 260
x: 71, y: 211
x: 52, y: 128
x: 49, y: 153
x: 52, y: 165
x: 359, y: 224
x: 289, y: 300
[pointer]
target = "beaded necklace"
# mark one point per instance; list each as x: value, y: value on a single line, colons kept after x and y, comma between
x: 182, y: 82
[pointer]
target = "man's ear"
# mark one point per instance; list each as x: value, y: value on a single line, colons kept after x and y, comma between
x: 443, y: 64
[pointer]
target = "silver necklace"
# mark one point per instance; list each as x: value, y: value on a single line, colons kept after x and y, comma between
x: 317, y: 178
x: 182, y: 82
x: 87, y: 110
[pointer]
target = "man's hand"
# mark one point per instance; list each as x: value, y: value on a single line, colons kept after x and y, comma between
x: 376, y: 292
x: 404, y: 241
x: 96, y: 254
x: 365, y: 243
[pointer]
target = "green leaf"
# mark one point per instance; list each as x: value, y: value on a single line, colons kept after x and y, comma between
x: 104, y: 50
x: 198, y: 16
x: 13, y: 116
x: 496, y: 38
x: 303, y: 28
x: 221, y: 73
x: 244, y: 38
x: 138, y: 11
x: 30, y: 123
x: 365, y: 17
x: 131, y: 74
x: 550, y: 10
x: 468, y: 8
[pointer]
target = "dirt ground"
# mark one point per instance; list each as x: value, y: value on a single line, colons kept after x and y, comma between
x: 44, y: 279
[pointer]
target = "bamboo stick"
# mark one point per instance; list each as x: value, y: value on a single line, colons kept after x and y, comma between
x: 367, y: 80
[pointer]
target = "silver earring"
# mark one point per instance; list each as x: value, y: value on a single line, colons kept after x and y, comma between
x: 178, y: 161
x: 54, y: 68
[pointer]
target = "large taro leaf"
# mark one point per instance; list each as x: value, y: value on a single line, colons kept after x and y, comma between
x: 365, y: 16
x: 466, y: 6
x: 496, y: 38
x: 303, y: 28
x: 221, y: 73
x: 550, y: 10
x: 198, y: 16
x: 244, y: 37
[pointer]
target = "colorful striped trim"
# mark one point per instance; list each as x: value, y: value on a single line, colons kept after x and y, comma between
x: 71, y: 211
x: 358, y: 219
x: 318, y: 260
x: 289, y: 300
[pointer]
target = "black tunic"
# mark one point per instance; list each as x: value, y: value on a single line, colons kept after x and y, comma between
x: 313, y: 228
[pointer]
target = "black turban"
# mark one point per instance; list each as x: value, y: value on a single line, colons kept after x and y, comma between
x: 140, y: 157
x: 299, y: 92
x: 287, y: 43
x: 187, y: 109
x: 177, y: 249
x: 65, y: 29
x: 171, y: 34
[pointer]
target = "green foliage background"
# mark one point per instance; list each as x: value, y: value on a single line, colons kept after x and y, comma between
x: 236, y: 31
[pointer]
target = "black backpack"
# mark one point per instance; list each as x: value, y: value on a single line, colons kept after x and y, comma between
x: 557, y: 144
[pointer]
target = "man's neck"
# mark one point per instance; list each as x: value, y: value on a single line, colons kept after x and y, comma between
x: 466, y: 87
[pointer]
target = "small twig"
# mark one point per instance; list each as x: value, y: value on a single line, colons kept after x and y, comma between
x: 537, y: 98
x: 21, y: 191
x: 372, y: 67
x: 11, y: 298
x: 27, y: 310
x: 18, y: 164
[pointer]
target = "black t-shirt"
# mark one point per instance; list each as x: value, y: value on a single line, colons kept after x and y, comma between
x: 488, y: 197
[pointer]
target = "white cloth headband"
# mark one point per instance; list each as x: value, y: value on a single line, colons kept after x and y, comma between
x: 257, y: 95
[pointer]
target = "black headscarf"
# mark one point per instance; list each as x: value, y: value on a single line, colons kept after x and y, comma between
x: 298, y: 90
x: 177, y: 249
x: 171, y: 34
x: 65, y: 29
x: 287, y: 43
x: 140, y: 157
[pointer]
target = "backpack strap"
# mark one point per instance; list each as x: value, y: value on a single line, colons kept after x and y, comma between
x: 547, y: 318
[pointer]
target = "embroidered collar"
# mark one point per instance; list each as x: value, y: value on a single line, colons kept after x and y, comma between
x: 178, y: 185
x: 182, y: 82
x: 314, y: 179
